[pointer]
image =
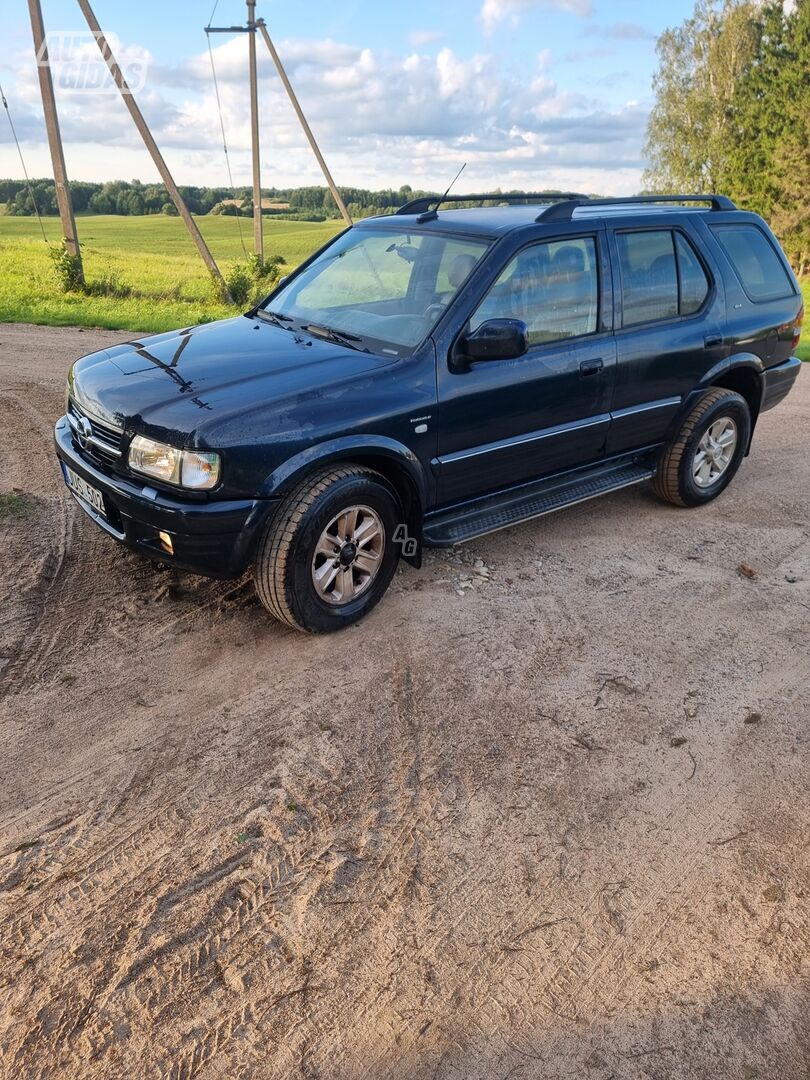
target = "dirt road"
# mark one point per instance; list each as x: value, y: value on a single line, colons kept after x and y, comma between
x: 555, y: 827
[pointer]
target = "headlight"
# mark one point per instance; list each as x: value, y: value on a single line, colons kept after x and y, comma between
x: 184, y: 468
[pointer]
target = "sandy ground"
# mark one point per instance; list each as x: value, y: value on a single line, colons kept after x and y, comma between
x: 556, y: 827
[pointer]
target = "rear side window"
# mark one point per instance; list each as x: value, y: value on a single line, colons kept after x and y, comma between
x: 694, y: 286
x: 649, y: 276
x: 758, y: 267
x: 662, y: 276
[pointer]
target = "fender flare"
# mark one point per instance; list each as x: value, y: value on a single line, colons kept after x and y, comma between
x: 732, y: 363
x: 739, y: 361
x: 359, y: 448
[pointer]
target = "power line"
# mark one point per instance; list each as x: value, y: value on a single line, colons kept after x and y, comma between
x: 22, y: 162
x: 222, y: 128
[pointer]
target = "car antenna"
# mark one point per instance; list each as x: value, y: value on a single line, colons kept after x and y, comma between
x: 431, y: 215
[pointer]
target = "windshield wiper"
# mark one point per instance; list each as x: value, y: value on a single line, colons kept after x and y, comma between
x: 342, y: 337
x: 274, y: 317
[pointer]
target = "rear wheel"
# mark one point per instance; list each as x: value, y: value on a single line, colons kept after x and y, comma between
x: 702, y: 459
x: 328, y: 554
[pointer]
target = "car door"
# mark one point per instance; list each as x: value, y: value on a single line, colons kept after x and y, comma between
x: 505, y: 422
x: 669, y: 310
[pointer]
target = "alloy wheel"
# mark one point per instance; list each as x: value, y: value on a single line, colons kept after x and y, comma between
x: 715, y: 452
x: 348, y: 555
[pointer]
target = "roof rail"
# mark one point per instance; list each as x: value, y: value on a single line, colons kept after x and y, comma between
x: 564, y: 211
x: 425, y: 202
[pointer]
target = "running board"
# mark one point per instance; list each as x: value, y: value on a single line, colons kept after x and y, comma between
x: 487, y: 515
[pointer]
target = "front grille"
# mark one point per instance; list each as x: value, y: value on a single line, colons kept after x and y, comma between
x: 93, y: 436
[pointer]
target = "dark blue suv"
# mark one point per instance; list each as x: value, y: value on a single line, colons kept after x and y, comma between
x: 434, y: 375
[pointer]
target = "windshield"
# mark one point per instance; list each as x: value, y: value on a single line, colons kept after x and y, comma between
x: 378, y: 289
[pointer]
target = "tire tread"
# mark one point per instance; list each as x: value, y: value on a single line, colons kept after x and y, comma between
x: 666, y: 482
x: 270, y: 567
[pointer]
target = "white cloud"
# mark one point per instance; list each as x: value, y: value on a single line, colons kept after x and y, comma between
x: 419, y: 38
x: 382, y: 119
x: 494, y: 12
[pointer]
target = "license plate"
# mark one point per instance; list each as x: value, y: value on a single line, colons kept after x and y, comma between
x: 86, y: 492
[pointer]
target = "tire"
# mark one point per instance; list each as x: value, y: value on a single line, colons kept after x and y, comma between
x: 683, y: 477
x: 355, y: 576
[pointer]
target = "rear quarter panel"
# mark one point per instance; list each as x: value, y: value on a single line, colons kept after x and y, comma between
x: 761, y: 328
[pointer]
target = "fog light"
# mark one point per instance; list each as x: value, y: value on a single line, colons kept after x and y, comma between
x: 166, y: 542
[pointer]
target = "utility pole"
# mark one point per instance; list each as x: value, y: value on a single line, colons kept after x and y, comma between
x: 152, y: 146
x: 253, y: 25
x: 303, y: 121
x: 258, y: 238
x: 54, y: 137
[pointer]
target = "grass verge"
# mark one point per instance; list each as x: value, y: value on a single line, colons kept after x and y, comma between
x: 13, y: 506
x: 803, y: 351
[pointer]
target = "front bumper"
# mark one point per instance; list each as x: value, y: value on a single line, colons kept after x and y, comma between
x: 215, y: 537
x: 777, y: 382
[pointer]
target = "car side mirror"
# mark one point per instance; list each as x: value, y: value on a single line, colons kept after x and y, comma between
x: 495, y: 339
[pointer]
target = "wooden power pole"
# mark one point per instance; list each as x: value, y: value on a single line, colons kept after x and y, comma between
x: 54, y: 136
x: 303, y: 121
x: 258, y: 238
x: 254, y: 24
x: 152, y: 146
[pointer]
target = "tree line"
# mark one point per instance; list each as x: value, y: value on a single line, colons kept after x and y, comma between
x: 115, y: 197
x: 732, y: 112
x: 132, y: 198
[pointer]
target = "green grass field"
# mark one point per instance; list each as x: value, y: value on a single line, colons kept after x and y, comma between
x: 145, y: 271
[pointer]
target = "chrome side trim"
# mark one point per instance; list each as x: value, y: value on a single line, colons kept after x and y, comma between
x: 631, y: 410
x: 523, y: 440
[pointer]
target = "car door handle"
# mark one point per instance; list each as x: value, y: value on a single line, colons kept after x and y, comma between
x: 591, y: 367
x: 711, y: 341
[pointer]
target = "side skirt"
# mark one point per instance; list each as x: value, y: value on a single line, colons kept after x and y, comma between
x: 503, y: 509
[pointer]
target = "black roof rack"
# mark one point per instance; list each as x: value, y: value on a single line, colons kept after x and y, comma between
x: 564, y: 211
x: 425, y: 202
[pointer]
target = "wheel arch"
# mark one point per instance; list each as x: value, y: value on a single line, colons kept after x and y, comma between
x: 675, y: 478
x: 393, y: 460
x: 744, y: 379
x: 741, y: 373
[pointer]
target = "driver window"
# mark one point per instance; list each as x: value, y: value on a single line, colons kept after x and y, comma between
x: 552, y: 287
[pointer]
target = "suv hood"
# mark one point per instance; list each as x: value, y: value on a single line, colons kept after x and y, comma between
x: 182, y: 381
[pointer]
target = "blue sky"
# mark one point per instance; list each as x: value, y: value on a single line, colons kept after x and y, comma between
x: 531, y: 94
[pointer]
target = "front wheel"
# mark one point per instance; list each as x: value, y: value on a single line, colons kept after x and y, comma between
x: 701, y: 460
x: 328, y: 554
